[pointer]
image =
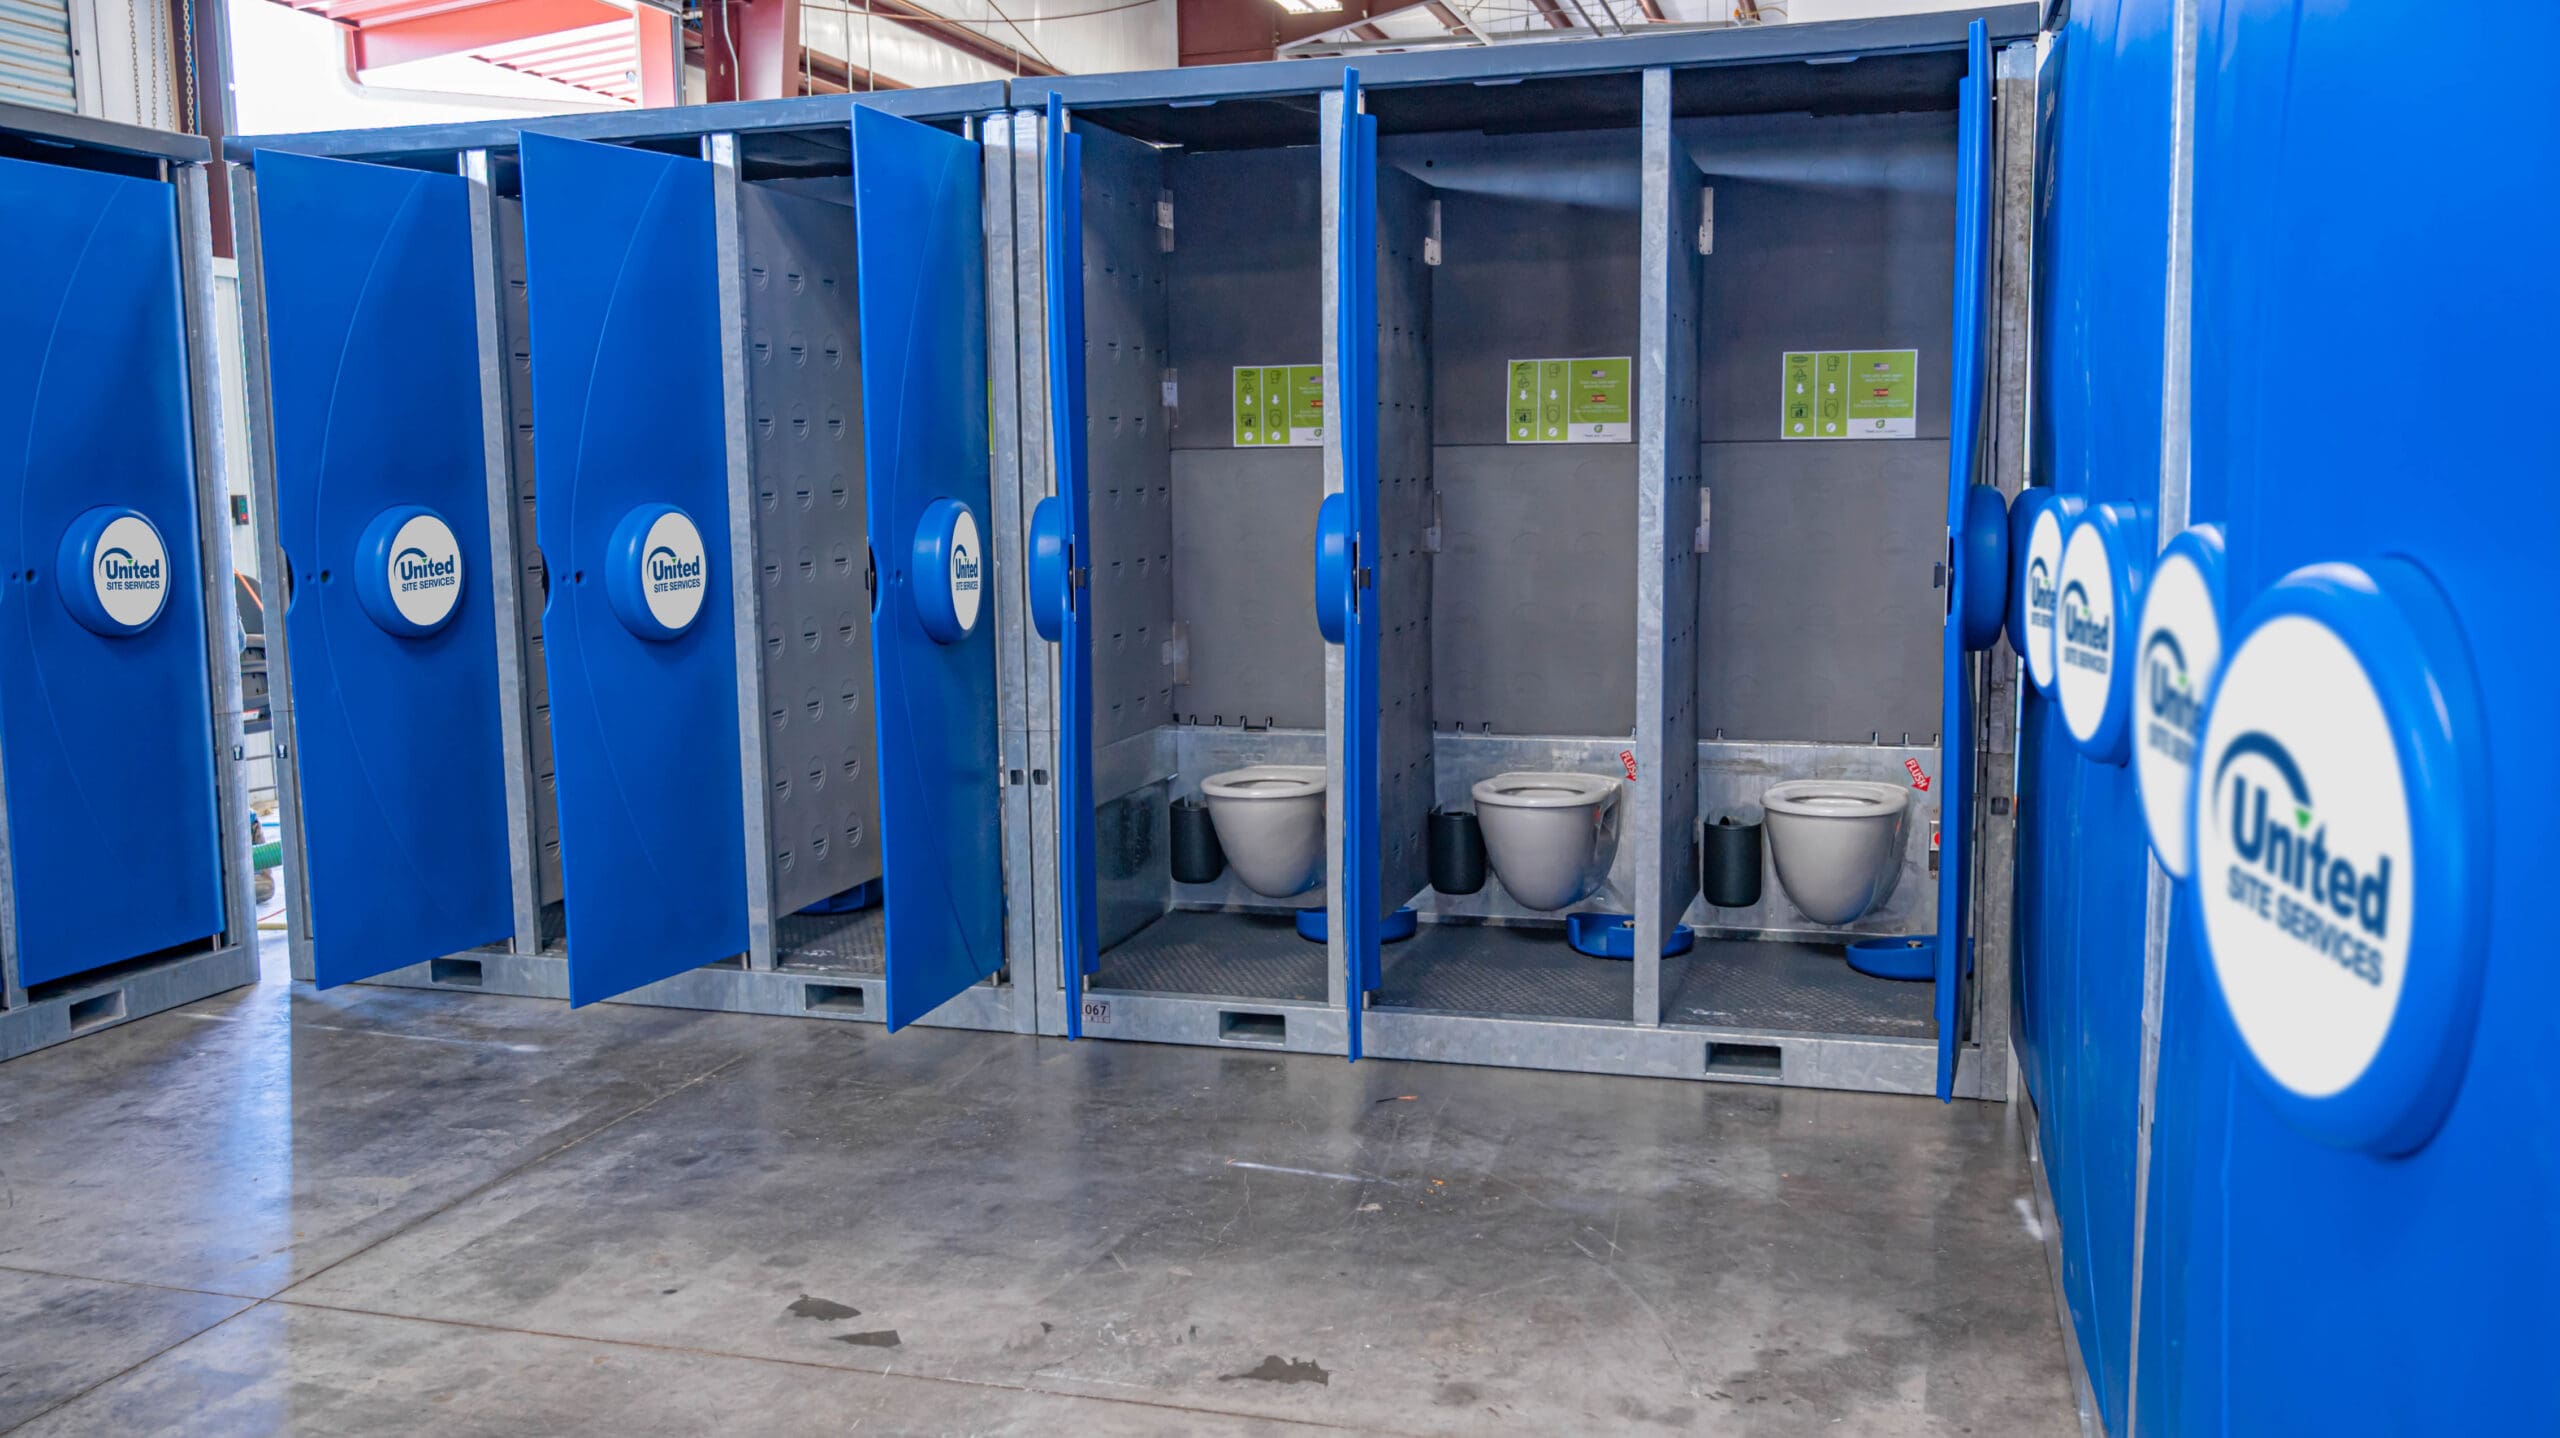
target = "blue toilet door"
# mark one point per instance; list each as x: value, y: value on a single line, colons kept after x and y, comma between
x: 1347, y: 546
x: 632, y: 515
x: 2318, y: 1285
x: 1966, y: 399
x: 105, y: 723
x: 924, y: 441
x: 1060, y: 542
x: 374, y: 375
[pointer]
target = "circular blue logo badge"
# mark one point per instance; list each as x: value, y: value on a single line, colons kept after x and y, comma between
x: 2341, y: 846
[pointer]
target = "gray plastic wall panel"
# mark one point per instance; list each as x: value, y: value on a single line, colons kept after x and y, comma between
x: 1129, y: 473
x: 533, y: 585
x: 1245, y: 279
x: 1244, y: 287
x: 1406, y: 500
x: 804, y: 385
x: 1244, y: 525
x: 1820, y: 610
x: 1533, y: 591
x: 1820, y: 614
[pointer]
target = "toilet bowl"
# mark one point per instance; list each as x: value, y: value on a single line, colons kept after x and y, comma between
x: 1837, y: 844
x: 1550, y: 837
x: 1270, y: 821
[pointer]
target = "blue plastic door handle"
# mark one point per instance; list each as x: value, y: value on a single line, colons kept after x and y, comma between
x: 1333, y: 567
x: 1048, y: 568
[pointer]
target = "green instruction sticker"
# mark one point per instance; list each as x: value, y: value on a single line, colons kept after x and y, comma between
x: 1280, y: 404
x: 1849, y: 394
x: 1570, y: 401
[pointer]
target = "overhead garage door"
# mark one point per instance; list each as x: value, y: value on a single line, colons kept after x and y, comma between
x: 35, y: 54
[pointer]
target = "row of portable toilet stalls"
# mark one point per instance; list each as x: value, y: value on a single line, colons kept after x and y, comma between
x: 125, y: 846
x: 755, y: 713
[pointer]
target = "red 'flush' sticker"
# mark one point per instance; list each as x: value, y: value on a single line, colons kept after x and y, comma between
x: 1628, y: 758
x: 1919, y: 776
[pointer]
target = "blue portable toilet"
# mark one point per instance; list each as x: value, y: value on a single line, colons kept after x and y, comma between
x: 2354, y: 1068
x: 124, y: 853
x: 1402, y: 590
x: 635, y: 474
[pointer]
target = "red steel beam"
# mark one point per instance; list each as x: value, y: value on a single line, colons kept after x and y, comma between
x: 750, y: 49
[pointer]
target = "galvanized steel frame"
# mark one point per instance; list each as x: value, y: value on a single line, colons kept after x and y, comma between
x: 1641, y: 1045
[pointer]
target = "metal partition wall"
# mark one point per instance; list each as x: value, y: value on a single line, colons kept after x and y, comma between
x: 765, y: 385
x: 124, y: 854
x: 1702, y: 650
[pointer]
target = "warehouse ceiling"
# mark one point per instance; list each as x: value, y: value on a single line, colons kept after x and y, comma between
x: 1438, y: 24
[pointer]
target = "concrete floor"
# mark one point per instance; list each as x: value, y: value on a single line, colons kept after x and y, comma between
x: 373, y: 1210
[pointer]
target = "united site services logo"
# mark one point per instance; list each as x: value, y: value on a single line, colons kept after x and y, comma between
x: 671, y: 573
x: 414, y: 571
x: 964, y: 570
x: 2169, y: 692
x: 120, y: 572
x: 2040, y: 594
x: 2284, y: 868
x: 2086, y: 638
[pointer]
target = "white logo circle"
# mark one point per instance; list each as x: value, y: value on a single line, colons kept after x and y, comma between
x: 425, y: 571
x: 2179, y: 643
x: 674, y: 575
x: 2086, y: 634
x: 2303, y: 861
x: 129, y: 570
x: 968, y: 571
x: 2044, y: 592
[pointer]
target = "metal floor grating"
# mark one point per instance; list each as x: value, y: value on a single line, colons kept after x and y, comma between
x: 1762, y: 984
x: 1228, y: 955
x: 1773, y: 984
x: 836, y: 943
x: 1504, y: 969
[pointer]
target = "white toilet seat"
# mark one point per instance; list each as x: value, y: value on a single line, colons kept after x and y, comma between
x: 1531, y: 790
x: 1266, y: 781
x: 1836, y: 798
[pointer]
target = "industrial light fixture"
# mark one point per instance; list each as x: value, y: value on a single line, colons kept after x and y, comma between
x: 1310, y: 7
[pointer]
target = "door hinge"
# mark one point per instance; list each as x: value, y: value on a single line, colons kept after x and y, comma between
x: 1164, y: 220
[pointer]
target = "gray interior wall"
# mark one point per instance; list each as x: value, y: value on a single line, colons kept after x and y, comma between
x: 1820, y: 608
x: 532, y: 587
x: 1404, y: 567
x: 804, y: 390
x: 1533, y: 588
x: 1128, y: 464
x: 1244, y: 287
